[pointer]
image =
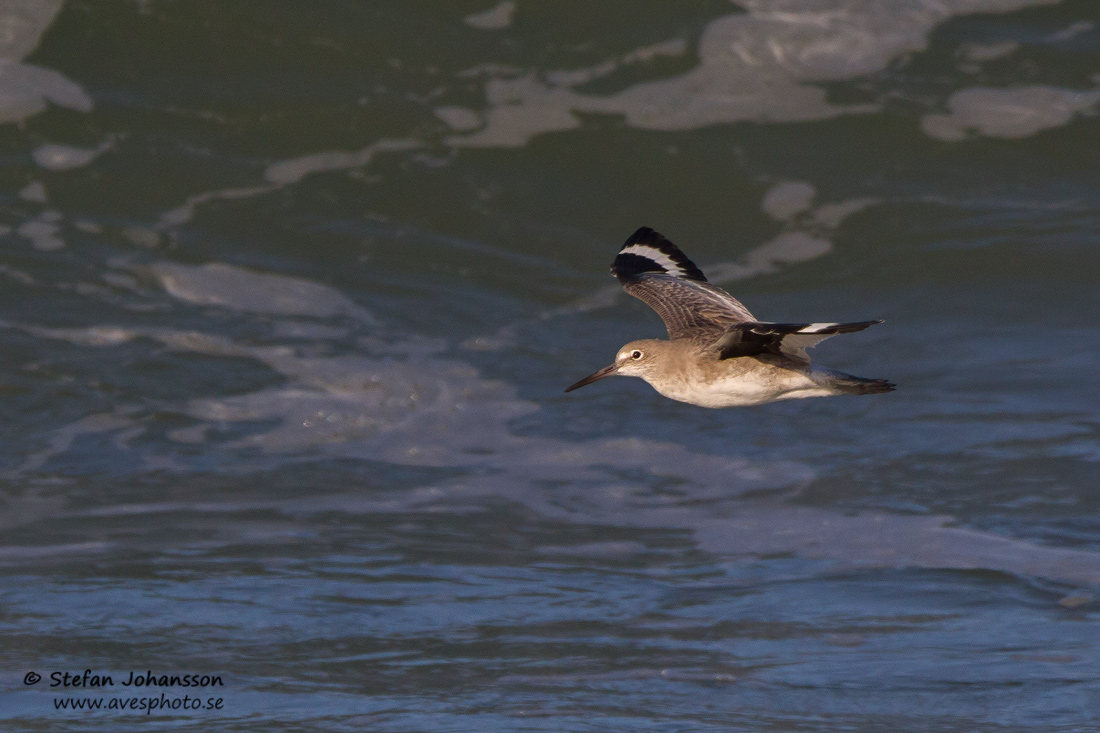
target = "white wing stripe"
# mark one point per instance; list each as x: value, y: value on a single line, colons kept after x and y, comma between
x: 656, y: 256
x: 817, y: 327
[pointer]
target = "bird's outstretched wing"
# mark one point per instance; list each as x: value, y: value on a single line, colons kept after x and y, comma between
x: 790, y: 339
x: 656, y: 272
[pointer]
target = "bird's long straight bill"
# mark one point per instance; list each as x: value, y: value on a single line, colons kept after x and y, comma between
x: 607, y: 371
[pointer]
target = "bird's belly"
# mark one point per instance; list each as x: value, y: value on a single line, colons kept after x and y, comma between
x: 751, y: 387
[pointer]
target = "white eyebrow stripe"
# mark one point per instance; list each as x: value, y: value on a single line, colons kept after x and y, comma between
x: 655, y: 255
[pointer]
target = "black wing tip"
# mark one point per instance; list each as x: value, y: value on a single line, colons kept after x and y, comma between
x: 857, y: 385
x: 877, y: 386
x: 630, y: 265
x: 645, y: 235
x: 856, y: 326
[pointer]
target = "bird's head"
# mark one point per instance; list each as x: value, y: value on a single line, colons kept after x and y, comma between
x: 636, y: 359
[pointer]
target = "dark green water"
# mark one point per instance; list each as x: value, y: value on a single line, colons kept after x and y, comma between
x: 289, y: 293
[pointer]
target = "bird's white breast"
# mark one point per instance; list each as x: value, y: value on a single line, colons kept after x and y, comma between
x: 741, y: 385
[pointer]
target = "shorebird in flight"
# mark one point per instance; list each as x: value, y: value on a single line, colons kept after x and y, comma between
x: 717, y: 354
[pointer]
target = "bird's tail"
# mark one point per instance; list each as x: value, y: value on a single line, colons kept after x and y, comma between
x: 849, y: 383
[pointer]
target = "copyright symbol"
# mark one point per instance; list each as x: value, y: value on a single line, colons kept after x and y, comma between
x: 31, y: 678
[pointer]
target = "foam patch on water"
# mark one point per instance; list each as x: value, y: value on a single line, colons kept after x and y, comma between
x: 495, y: 18
x: 35, y: 192
x: 784, y: 200
x: 763, y: 65
x: 1007, y: 113
x: 284, y: 173
x: 66, y: 157
x: 253, y: 292
x: 983, y: 52
x: 43, y: 231
x: 25, y: 89
x: 186, y: 212
x: 294, y: 170
x: 459, y: 119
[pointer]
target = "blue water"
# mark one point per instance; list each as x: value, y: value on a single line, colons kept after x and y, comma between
x: 290, y: 294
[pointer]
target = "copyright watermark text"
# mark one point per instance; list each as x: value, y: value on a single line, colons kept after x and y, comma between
x: 147, y: 680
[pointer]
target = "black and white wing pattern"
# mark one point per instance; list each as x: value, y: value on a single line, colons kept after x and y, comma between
x: 656, y: 272
x: 789, y: 339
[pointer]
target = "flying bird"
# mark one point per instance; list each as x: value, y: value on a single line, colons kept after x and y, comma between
x: 717, y: 354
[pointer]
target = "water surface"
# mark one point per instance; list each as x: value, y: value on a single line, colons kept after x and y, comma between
x: 290, y: 295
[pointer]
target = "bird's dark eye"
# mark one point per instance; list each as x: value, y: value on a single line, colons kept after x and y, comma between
x: 635, y: 354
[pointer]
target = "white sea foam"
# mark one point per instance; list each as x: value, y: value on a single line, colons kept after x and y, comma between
x: 43, y: 231
x: 760, y: 65
x: 983, y: 52
x: 34, y: 191
x: 294, y: 170
x: 784, y: 200
x: 25, y: 89
x: 766, y: 64
x: 66, y: 157
x: 459, y: 119
x: 830, y: 216
x: 1007, y: 113
x: 253, y: 292
x: 184, y: 213
x: 142, y: 236
x: 495, y: 18
x: 284, y: 173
